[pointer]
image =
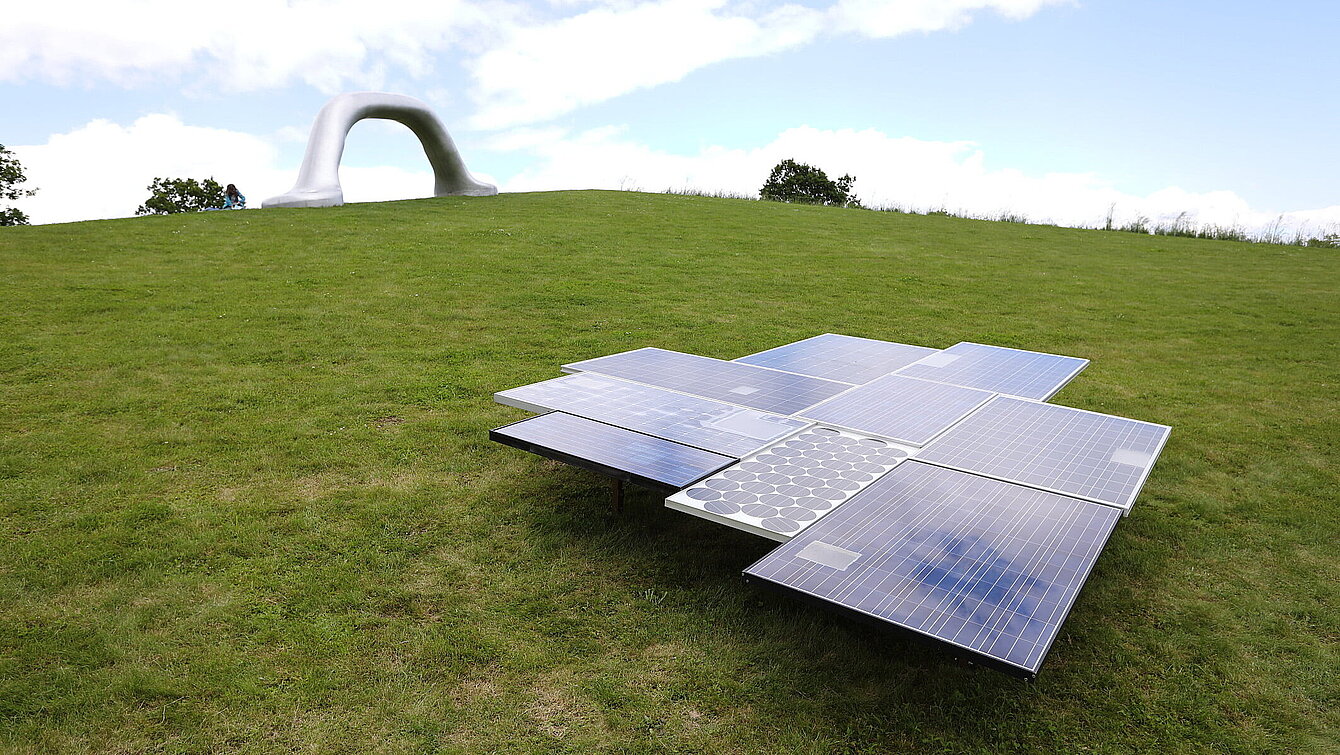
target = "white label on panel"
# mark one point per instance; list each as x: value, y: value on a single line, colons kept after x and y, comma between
x: 1131, y: 457
x: 825, y: 554
x: 938, y: 360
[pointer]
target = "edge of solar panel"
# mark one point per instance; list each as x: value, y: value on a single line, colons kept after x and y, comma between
x: 498, y: 435
x: 1124, y: 506
x: 745, y: 359
x: 1084, y: 364
x: 923, y: 638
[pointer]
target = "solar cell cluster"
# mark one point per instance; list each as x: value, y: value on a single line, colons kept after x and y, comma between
x: 931, y: 491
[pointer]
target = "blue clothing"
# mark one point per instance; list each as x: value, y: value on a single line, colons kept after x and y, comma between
x: 229, y: 204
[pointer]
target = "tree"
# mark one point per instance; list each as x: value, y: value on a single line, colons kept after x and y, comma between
x: 11, y: 175
x: 791, y: 181
x: 169, y: 195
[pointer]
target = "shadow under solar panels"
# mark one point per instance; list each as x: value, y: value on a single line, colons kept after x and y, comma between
x: 987, y: 567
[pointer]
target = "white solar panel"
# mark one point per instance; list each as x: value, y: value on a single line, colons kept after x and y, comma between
x: 1030, y: 374
x: 1086, y: 454
x: 744, y: 384
x: 838, y: 357
x: 698, y: 422
x: 786, y: 487
x: 904, y: 409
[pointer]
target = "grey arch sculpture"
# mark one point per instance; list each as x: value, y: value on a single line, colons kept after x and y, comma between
x: 318, y: 182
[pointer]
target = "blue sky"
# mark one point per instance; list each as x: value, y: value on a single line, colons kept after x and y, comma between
x: 1225, y: 111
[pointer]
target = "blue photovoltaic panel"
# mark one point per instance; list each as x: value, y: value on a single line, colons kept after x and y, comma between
x: 901, y: 408
x: 987, y: 566
x: 1086, y: 454
x: 699, y: 422
x: 743, y: 384
x: 838, y: 357
x: 605, y: 446
x: 994, y: 368
x: 787, y: 486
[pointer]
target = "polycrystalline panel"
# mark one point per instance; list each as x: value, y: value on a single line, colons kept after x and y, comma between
x: 787, y: 486
x: 564, y: 436
x: 902, y: 408
x: 988, y: 566
x: 743, y: 384
x: 994, y: 368
x: 839, y: 357
x: 1086, y: 454
x: 706, y: 424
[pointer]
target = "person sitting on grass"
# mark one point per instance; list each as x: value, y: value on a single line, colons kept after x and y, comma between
x: 233, y: 199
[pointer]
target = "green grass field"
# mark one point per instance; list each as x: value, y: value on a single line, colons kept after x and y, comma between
x: 248, y: 504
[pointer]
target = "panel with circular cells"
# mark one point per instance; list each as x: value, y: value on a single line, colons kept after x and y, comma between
x: 785, y: 487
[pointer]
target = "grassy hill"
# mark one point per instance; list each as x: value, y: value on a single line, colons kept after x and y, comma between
x: 247, y: 501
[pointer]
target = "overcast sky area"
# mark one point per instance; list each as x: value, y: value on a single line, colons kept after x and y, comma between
x: 1056, y: 110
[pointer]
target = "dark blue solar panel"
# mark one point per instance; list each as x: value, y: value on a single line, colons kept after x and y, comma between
x: 575, y: 439
x: 838, y: 357
x: 743, y: 384
x: 994, y: 368
x: 1087, y: 454
x: 694, y: 421
x: 901, y: 408
x: 989, y: 567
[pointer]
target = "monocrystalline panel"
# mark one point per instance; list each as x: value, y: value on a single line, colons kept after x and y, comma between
x: 838, y: 357
x: 786, y: 487
x: 744, y: 384
x: 609, y: 449
x: 1029, y: 374
x: 989, y: 567
x: 699, y: 422
x: 1086, y: 454
x: 901, y: 408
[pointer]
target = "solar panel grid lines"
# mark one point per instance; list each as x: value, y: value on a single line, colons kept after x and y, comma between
x: 690, y: 420
x: 611, y: 450
x: 747, y: 385
x: 983, y: 565
x: 1098, y: 457
x: 837, y: 357
x: 785, y: 487
x: 904, y: 409
x: 1028, y: 374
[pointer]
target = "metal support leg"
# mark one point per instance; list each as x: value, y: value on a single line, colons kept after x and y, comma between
x: 618, y: 495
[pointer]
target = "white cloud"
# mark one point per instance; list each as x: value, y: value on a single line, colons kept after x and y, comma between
x: 530, y: 63
x: 544, y: 70
x: 102, y: 169
x: 890, y: 171
x: 330, y: 45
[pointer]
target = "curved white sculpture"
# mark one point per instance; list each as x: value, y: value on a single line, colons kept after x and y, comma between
x: 319, y: 177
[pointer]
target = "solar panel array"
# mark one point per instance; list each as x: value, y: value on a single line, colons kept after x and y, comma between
x: 694, y: 421
x: 939, y: 496
x: 652, y: 459
x: 1086, y: 454
x: 744, y: 384
x: 839, y: 357
x: 901, y: 408
x: 994, y: 368
x: 988, y: 566
x: 786, y: 487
